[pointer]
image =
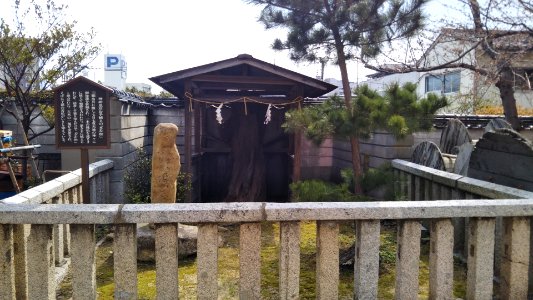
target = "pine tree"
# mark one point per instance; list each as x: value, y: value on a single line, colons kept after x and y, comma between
x: 340, y: 30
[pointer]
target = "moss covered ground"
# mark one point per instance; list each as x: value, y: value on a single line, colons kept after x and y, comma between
x: 228, y: 265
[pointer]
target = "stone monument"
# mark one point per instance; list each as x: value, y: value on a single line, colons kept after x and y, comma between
x: 165, y: 164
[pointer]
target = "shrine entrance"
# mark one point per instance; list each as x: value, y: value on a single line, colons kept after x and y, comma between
x: 235, y: 146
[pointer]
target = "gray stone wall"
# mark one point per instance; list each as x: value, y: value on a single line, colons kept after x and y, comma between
x: 130, y: 131
x: 317, y: 160
x: 380, y: 148
x: 172, y: 115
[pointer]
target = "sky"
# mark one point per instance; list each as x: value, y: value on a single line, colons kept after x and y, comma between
x: 162, y: 36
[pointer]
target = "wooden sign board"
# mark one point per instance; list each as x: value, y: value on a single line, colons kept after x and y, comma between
x: 82, y: 115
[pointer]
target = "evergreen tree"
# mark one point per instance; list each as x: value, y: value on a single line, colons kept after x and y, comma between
x: 399, y: 111
x: 340, y: 30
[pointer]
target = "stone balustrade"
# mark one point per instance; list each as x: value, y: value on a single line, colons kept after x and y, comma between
x: 415, y: 182
x: 497, y: 238
x: 62, y: 190
x: 409, y: 214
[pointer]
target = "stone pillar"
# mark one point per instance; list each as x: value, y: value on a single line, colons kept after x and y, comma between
x: 407, y: 259
x: 41, y: 279
x: 289, y: 260
x: 165, y: 163
x: 441, y: 259
x: 7, y: 262
x: 366, y: 261
x: 515, y: 259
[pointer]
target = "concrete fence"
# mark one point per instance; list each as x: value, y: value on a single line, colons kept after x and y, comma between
x: 367, y: 215
x: 32, y: 275
x: 493, y: 245
x: 26, y: 247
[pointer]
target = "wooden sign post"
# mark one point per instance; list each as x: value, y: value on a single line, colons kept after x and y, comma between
x: 82, y: 121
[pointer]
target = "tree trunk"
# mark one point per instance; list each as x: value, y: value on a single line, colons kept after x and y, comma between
x: 506, y: 86
x: 354, y: 141
x: 248, y: 176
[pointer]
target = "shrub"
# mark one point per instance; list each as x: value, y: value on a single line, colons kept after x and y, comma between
x: 138, y: 177
x: 320, y: 191
x: 381, y: 177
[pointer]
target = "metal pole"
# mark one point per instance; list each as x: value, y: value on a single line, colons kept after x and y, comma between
x: 85, y: 176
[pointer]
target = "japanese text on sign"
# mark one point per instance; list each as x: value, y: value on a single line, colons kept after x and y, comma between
x: 81, y: 117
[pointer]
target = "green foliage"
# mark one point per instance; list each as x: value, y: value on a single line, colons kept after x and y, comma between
x: 387, y: 252
x: 314, y: 190
x: 319, y: 191
x: 48, y: 114
x: 375, y: 178
x: 337, y: 31
x: 399, y: 111
x: 355, y: 28
x: 138, y: 181
x: 165, y: 94
x: 138, y: 92
x: 34, y: 58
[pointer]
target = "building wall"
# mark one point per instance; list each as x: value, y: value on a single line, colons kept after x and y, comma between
x: 129, y: 132
x: 380, y: 84
x: 472, y: 86
x: 316, y: 160
x: 48, y: 155
x: 381, y: 148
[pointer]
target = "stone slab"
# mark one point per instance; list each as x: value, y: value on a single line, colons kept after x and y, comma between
x: 255, y: 212
x: 491, y: 190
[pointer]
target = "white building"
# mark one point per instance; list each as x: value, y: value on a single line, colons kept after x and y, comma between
x: 465, y: 89
x: 338, y: 91
x: 115, y: 71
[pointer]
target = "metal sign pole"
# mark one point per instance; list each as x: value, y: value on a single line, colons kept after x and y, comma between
x: 85, y: 176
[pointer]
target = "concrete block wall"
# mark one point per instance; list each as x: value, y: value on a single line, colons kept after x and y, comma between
x: 381, y: 148
x: 130, y: 131
x: 316, y: 160
x: 172, y: 115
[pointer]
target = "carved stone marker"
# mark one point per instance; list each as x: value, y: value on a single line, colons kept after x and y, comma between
x: 429, y: 155
x: 453, y: 136
x: 497, y: 124
x: 503, y: 157
x: 463, y: 159
x: 165, y: 164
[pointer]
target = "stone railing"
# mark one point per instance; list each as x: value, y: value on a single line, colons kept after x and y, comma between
x: 62, y: 190
x: 367, y: 215
x: 415, y: 182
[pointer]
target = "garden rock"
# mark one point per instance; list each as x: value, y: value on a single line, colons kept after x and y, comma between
x: 187, y: 238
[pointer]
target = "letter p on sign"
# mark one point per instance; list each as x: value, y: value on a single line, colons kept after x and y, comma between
x: 112, y: 61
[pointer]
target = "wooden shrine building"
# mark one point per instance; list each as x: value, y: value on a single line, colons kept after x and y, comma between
x: 235, y: 146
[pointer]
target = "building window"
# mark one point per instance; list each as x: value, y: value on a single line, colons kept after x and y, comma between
x: 444, y: 83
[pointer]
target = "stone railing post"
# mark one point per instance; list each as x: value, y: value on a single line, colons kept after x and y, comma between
x: 366, y: 261
x: 7, y: 263
x: 441, y: 259
x: 515, y: 259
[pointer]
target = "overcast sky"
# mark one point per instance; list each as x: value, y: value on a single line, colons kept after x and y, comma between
x: 162, y: 36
